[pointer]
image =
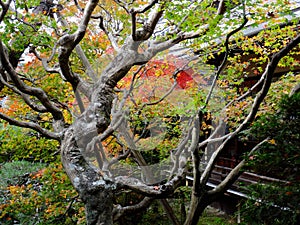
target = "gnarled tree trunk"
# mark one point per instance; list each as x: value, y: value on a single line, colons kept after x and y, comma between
x: 95, y: 191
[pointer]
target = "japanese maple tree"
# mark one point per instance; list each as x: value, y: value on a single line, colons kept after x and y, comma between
x: 73, y: 72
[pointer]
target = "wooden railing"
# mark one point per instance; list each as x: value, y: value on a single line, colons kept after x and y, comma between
x: 247, y: 178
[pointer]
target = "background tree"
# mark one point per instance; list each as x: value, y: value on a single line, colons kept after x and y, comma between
x: 49, y: 64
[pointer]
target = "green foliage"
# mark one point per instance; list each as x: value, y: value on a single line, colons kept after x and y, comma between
x: 13, y: 173
x: 273, y: 203
x: 278, y: 202
x: 211, y: 219
x: 281, y: 86
x: 23, y: 144
x: 43, y: 197
x: 281, y: 155
x: 155, y: 214
x: 20, y: 26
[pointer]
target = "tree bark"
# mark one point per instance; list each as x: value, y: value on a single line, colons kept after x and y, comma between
x: 98, y: 207
x: 95, y: 192
x: 197, y: 206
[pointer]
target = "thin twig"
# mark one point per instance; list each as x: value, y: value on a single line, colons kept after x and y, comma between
x: 221, y: 67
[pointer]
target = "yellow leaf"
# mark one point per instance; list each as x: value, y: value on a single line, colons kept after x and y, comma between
x: 272, y: 141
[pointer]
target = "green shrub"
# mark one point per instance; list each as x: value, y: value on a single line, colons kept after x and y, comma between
x: 23, y: 144
x: 276, y: 203
x: 45, y: 197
